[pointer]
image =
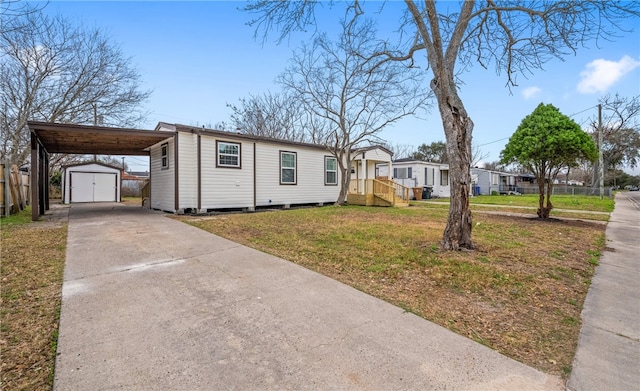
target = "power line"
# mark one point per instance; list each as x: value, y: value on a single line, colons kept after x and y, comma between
x: 587, y: 109
x: 506, y: 138
x: 493, y: 142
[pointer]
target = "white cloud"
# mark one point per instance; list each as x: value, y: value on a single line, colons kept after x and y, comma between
x: 601, y: 74
x: 531, y: 92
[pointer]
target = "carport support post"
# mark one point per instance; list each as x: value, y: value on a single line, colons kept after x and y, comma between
x: 34, y: 176
x: 45, y: 178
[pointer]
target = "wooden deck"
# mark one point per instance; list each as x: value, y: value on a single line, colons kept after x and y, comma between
x: 376, y: 192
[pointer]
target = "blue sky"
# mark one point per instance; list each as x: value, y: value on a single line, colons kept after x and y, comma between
x: 199, y: 56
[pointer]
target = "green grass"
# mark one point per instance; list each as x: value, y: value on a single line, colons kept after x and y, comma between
x: 22, y: 217
x: 576, y: 202
x: 565, y: 206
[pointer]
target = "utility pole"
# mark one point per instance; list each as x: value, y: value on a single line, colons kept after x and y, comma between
x: 95, y: 123
x: 600, y: 157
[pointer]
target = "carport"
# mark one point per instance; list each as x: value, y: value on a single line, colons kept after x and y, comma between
x: 47, y: 138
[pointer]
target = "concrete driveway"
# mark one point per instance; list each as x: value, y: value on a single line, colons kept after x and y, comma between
x: 151, y: 303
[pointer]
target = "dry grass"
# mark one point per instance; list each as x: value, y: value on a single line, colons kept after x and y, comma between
x: 520, y: 293
x: 32, y: 266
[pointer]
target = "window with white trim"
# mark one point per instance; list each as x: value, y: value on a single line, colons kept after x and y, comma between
x: 164, y: 153
x: 228, y: 154
x: 330, y: 170
x: 288, y: 175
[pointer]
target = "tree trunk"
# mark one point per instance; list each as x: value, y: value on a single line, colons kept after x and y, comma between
x: 543, y: 211
x: 344, y: 179
x: 457, y: 128
x: 549, y: 206
x: 540, y: 210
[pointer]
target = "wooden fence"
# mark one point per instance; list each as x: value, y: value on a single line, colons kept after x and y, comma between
x: 14, y: 196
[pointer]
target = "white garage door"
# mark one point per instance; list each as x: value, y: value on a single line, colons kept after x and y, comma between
x: 93, y: 187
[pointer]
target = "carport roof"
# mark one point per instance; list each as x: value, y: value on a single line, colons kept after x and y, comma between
x: 82, y: 139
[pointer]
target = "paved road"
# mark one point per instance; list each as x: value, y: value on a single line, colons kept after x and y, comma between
x: 608, y: 354
x: 150, y: 303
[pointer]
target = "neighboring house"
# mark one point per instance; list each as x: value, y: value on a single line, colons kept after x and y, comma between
x: 201, y: 170
x: 417, y: 173
x: 139, y: 174
x: 91, y: 182
x: 132, y: 184
x: 487, y: 182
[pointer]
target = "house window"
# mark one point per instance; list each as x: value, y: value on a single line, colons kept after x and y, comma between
x: 164, y: 148
x: 402, y: 173
x: 444, y: 177
x: 288, y: 168
x: 429, y: 174
x: 495, y: 179
x: 330, y: 170
x: 228, y: 154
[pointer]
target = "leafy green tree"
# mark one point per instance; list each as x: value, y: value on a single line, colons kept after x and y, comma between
x: 546, y: 142
x: 435, y: 152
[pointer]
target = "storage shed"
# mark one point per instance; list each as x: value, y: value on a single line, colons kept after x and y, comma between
x: 91, y: 182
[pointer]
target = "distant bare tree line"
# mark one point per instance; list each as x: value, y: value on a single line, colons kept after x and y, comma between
x: 55, y: 71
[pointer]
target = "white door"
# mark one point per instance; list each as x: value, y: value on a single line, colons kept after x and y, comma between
x: 104, y: 187
x: 93, y: 187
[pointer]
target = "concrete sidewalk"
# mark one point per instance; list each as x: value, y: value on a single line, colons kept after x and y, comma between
x: 151, y: 303
x: 608, y: 354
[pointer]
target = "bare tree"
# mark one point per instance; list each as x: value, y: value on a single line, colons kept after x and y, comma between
x: 11, y: 10
x: 516, y: 36
x: 350, y: 98
x: 437, y: 152
x: 278, y: 116
x: 620, y: 134
x: 477, y: 155
x: 399, y: 151
x: 51, y: 70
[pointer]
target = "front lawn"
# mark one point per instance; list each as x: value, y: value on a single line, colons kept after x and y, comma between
x: 520, y: 293
x: 30, y: 295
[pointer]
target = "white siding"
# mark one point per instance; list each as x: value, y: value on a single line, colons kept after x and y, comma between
x: 224, y: 187
x: 422, y: 174
x: 187, y: 170
x: 162, y: 180
x: 377, y: 154
x: 310, y: 187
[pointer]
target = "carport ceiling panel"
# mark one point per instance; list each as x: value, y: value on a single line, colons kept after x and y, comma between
x: 79, y: 139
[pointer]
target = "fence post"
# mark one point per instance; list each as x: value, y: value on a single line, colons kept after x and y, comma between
x: 6, y: 190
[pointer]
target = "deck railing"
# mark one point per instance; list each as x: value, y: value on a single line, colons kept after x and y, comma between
x: 391, y: 190
x: 383, y: 188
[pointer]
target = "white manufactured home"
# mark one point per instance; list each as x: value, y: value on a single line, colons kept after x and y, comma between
x: 420, y: 174
x: 91, y: 182
x: 201, y: 170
